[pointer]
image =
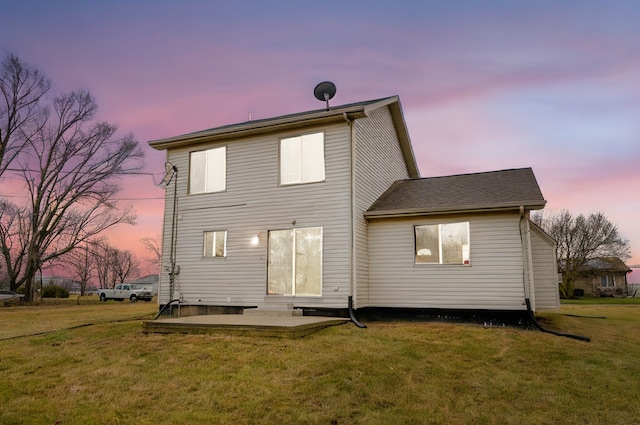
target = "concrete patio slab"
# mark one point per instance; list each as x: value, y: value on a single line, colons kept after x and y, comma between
x: 243, y: 324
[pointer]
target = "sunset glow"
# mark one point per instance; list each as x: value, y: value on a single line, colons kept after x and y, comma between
x: 483, y: 85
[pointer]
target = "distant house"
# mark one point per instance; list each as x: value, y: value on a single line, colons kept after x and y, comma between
x: 312, y: 209
x: 603, y: 277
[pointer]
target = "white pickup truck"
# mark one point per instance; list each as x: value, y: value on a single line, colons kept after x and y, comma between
x: 125, y: 291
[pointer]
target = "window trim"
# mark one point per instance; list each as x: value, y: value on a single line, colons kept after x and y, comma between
x: 213, y: 246
x: 224, y: 174
x: 323, y: 178
x: 466, y: 261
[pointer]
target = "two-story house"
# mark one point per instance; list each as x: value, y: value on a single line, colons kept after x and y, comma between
x: 311, y: 209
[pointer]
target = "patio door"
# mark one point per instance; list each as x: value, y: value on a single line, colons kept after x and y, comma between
x: 295, y: 262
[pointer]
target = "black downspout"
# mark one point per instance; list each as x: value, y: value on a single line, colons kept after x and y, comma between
x: 541, y: 328
x: 165, y: 307
x: 526, y: 296
x: 353, y: 316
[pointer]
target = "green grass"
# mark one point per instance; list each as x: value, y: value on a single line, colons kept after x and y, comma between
x: 603, y: 300
x: 389, y: 373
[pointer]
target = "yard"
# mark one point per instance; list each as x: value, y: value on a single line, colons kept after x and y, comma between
x: 91, y: 364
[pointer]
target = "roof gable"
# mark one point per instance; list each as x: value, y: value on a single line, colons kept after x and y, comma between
x: 338, y: 114
x: 495, y: 190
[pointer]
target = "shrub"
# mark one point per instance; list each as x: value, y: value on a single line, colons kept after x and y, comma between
x: 55, y: 291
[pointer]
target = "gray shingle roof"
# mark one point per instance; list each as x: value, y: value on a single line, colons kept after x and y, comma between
x: 505, y: 189
x: 604, y: 264
x: 275, y: 123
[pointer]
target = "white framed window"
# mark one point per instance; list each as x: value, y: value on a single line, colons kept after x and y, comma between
x: 442, y: 243
x: 295, y: 262
x: 208, y: 170
x: 607, y: 281
x: 302, y: 159
x: 214, y: 244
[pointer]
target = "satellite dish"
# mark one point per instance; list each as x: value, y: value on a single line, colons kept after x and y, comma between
x: 170, y: 171
x: 325, y: 91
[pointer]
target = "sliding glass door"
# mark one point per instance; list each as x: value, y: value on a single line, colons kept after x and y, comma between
x: 295, y: 262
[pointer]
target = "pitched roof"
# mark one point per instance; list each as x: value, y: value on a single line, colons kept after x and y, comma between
x: 299, y: 120
x: 604, y: 264
x: 489, y: 191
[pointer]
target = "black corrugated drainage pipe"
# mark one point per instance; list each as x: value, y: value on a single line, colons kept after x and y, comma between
x: 165, y: 307
x: 541, y: 328
x: 352, y: 315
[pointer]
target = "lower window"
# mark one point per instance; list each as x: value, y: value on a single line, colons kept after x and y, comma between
x: 442, y: 243
x: 606, y: 281
x: 295, y: 262
x: 215, y: 244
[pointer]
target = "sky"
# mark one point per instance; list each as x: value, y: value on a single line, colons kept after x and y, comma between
x: 484, y: 85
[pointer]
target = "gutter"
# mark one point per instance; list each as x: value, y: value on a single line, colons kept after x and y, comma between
x: 440, y: 211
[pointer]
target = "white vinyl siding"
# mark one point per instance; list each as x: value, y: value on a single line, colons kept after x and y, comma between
x: 302, y: 159
x: 378, y: 162
x: 545, y: 271
x: 253, y: 203
x: 493, y: 280
x: 207, y: 170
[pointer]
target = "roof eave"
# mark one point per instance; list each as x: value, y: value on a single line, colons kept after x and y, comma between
x: 262, y: 127
x: 403, y: 137
x: 442, y: 211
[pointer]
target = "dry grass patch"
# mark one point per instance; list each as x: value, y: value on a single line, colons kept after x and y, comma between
x: 390, y: 373
x: 30, y: 320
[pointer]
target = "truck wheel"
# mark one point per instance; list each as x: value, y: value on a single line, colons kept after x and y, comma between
x: 103, y: 298
x: 133, y: 298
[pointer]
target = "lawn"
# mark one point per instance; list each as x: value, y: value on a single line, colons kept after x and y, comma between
x: 108, y: 372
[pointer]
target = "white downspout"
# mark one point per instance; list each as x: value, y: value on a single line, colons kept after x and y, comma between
x: 352, y: 260
x: 352, y: 238
x: 527, y: 258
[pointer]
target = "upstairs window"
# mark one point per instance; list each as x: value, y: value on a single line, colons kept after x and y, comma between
x: 302, y: 159
x: 442, y: 243
x: 208, y: 170
x: 215, y: 244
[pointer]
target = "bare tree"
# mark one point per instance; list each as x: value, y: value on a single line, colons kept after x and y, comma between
x: 67, y: 164
x: 154, y: 246
x: 102, y: 254
x: 13, y: 240
x: 22, y: 88
x: 82, y: 264
x: 580, y: 239
x: 124, y: 265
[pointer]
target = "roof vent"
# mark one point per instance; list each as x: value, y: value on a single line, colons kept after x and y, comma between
x: 325, y: 91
